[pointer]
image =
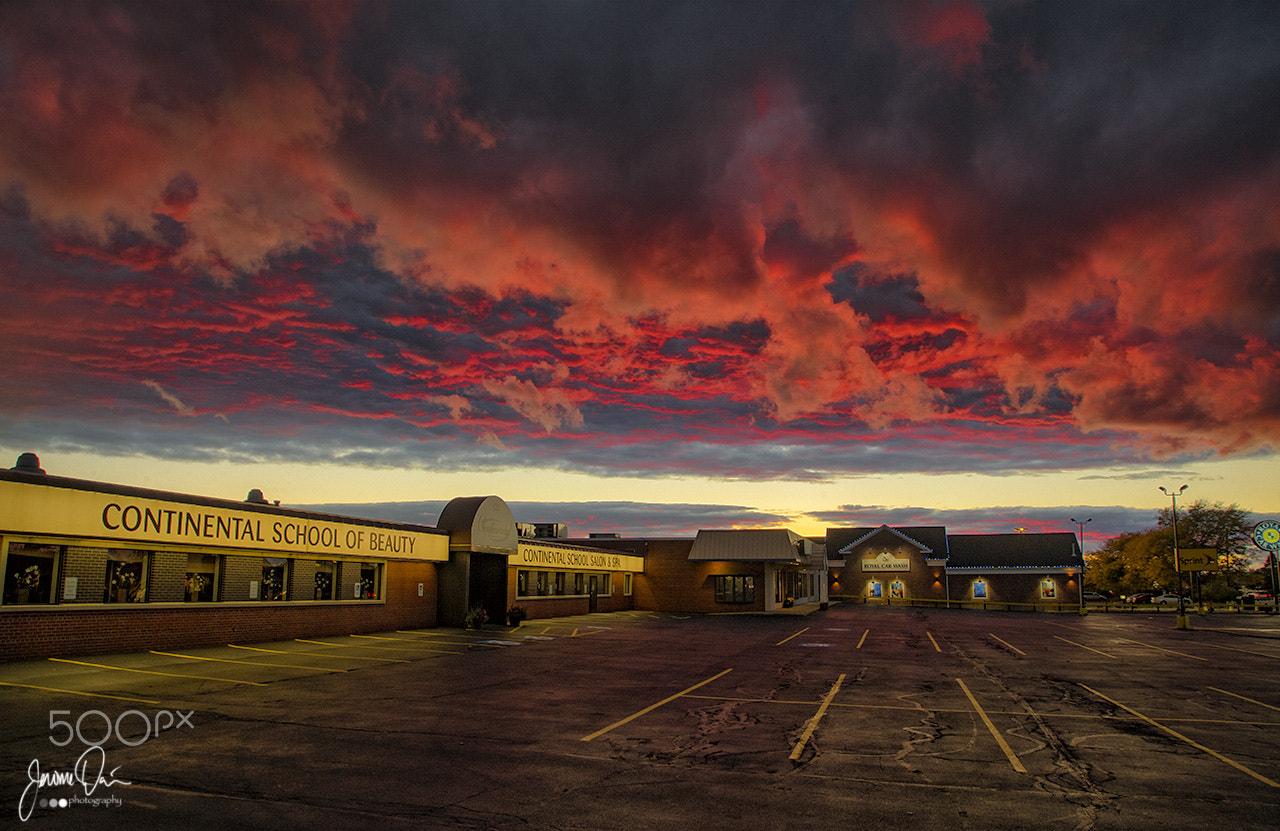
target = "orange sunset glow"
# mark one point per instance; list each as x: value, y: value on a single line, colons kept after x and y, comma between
x: 764, y: 257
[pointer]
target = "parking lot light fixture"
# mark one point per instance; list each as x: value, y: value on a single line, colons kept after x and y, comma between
x: 1082, y: 525
x: 1177, y: 563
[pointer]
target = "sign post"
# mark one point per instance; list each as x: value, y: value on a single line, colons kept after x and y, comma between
x: 1266, y: 535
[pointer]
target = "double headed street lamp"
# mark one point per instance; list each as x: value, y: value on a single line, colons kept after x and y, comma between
x: 1082, y: 525
x: 1177, y: 562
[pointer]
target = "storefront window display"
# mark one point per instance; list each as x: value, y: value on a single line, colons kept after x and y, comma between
x: 324, y: 579
x: 202, y: 577
x: 126, y: 576
x: 29, y: 572
x: 274, y: 578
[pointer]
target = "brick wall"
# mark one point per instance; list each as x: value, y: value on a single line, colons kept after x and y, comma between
x: 72, y: 629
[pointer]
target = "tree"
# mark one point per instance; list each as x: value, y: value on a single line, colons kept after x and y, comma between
x: 1143, y: 560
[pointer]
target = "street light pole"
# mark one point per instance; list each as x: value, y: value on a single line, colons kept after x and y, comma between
x: 1177, y: 562
x: 1082, y: 525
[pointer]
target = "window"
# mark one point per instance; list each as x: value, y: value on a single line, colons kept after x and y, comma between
x: 543, y: 587
x: 126, y: 576
x: 275, y: 573
x: 28, y: 573
x: 370, y: 585
x: 522, y: 584
x: 202, y: 574
x: 626, y: 584
x: 579, y: 583
x: 735, y: 588
x: 559, y: 583
x: 325, y: 570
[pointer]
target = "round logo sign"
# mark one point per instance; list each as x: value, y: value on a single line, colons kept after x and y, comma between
x: 1266, y: 535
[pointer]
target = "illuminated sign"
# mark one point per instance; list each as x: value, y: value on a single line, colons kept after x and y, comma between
x: 533, y: 555
x: 886, y: 562
x: 37, y: 509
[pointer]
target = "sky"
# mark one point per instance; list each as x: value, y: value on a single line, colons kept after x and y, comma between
x: 649, y: 267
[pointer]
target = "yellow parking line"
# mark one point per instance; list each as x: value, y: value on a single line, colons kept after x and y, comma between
x: 817, y: 717
x: 796, y: 635
x: 1008, y: 751
x: 408, y: 645
x: 233, y: 661
x: 1006, y: 643
x: 1162, y: 649
x: 1090, y: 648
x: 935, y: 643
x: 1215, y: 754
x: 652, y: 707
x: 1238, y: 649
x: 317, y: 655
x: 862, y: 639
x: 77, y: 692
x: 1242, y: 698
x: 153, y: 672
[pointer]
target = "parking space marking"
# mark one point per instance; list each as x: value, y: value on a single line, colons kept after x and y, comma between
x: 318, y: 654
x: 407, y: 645
x: 1090, y: 648
x: 935, y: 643
x: 796, y: 635
x: 155, y: 672
x: 1162, y: 649
x: 77, y: 692
x: 1215, y: 754
x: 1006, y: 643
x: 862, y: 639
x: 1243, y: 698
x: 1245, y: 651
x: 1008, y: 751
x: 247, y: 663
x: 653, y: 707
x: 817, y: 717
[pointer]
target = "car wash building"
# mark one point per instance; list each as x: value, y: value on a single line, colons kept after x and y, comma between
x: 928, y: 565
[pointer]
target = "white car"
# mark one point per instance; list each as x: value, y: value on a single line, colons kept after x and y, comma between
x: 1166, y: 599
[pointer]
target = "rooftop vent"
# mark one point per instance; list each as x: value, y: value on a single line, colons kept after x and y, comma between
x: 255, y: 496
x: 28, y: 463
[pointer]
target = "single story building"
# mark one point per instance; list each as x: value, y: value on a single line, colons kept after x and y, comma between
x: 885, y: 564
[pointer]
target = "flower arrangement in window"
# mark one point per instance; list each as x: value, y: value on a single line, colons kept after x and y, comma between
x: 28, y: 578
x: 367, y: 590
x: 324, y: 585
x: 196, y: 583
x: 273, y: 584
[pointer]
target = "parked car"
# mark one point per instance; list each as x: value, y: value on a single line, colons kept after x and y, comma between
x: 1094, y: 597
x: 1141, y: 597
x: 1166, y: 599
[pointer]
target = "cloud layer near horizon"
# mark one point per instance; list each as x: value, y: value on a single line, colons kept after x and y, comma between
x: 761, y: 240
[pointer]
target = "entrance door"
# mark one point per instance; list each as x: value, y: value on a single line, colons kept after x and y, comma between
x: 593, y: 590
x: 488, y: 584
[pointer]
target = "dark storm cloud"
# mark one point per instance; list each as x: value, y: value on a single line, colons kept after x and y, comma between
x: 751, y: 240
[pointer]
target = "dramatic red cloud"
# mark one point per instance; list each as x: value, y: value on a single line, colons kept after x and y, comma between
x: 887, y: 217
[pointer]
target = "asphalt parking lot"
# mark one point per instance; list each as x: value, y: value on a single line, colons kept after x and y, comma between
x: 853, y: 717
